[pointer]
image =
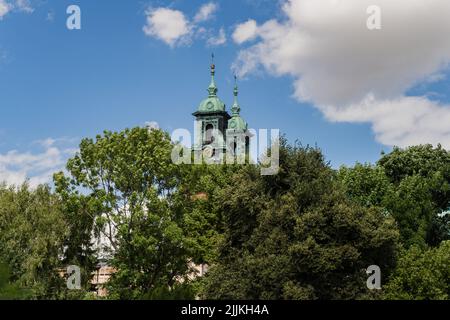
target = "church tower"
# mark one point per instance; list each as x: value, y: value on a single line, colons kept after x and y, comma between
x: 211, y: 123
x: 219, y: 136
x: 237, y: 135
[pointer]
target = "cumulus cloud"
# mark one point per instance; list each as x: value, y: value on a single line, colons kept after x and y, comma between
x: 170, y: 26
x: 36, y: 167
x: 24, y: 5
x: 206, y: 12
x: 403, y: 121
x: 218, y: 40
x: 174, y: 28
x: 353, y: 74
x: 5, y: 7
x: 245, y: 32
x: 17, y: 5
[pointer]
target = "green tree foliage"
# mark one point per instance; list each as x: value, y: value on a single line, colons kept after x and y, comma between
x: 430, y: 163
x: 308, y: 232
x: 79, y: 211
x: 366, y: 184
x: 204, y: 221
x: 135, y: 197
x: 32, y: 232
x: 421, y: 274
x: 430, y: 168
x: 9, y: 290
x: 412, y: 185
x: 295, y: 235
x: 439, y: 229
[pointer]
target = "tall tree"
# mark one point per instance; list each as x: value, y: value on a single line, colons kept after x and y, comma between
x: 295, y: 235
x: 432, y: 164
x: 430, y: 167
x: 204, y: 220
x: 79, y: 211
x: 412, y: 185
x: 32, y: 232
x: 137, y: 200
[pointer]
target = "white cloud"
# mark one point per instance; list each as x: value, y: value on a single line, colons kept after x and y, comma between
x: 245, y: 31
x: 24, y: 5
x: 353, y: 74
x: 206, y: 12
x: 37, y: 167
x: 18, y: 5
x: 4, y: 8
x: 170, y: 26
x: 174, y: 28
x: 403, y: 121
x: 218, y: 40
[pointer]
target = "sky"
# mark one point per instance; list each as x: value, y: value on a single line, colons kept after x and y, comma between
x: 311, y: 68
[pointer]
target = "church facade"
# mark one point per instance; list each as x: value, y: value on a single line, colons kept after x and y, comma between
x: 219, y: 135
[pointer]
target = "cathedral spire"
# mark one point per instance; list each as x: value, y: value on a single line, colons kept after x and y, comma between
x: 212, y: 89
x: 235, y: 109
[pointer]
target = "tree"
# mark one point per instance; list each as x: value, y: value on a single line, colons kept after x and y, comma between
x: 412, y: 185
x: 134, y: 197
x: 421, y: 274
x: 79, y: 212
x: 296, y: 235
x: 430, y: 163
x: 204, y: 222
x: 413, y: 208
x: 32, y: 232
x: 366, y: 184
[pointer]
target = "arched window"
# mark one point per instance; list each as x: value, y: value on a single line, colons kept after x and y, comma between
x: 247, y: 145
x: 209, y: 133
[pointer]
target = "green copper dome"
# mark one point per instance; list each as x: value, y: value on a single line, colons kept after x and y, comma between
x: 236, y: 122
x: 212, y: 103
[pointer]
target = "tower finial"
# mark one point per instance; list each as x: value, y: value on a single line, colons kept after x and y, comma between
x: 236, y: 108
x: 213, y: 66
x: 212, y: 90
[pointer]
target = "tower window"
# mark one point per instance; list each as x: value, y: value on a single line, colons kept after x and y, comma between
x: 209, y: 134
x: 247, y: 145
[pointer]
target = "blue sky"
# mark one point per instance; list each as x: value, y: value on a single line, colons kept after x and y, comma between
x: 58, y: 85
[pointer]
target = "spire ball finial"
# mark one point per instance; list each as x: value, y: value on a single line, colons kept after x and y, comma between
x: 213, y: 66
x: 212, y: 87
